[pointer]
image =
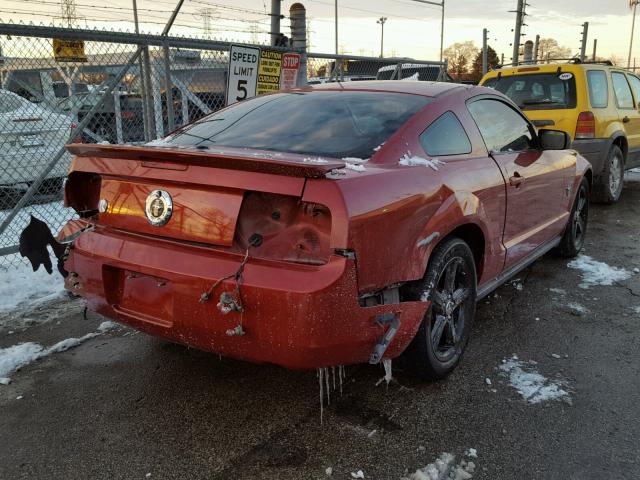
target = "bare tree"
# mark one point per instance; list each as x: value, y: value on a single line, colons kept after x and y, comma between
x: 549, y: 48
x: 460, y: 56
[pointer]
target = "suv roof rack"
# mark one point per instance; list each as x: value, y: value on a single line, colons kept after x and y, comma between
x: 572, y: 60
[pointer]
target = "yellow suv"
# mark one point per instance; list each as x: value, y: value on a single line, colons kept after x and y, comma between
x: 597, y: 104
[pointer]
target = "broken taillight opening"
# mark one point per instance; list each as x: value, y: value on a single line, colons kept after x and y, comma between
x: 82, y: 193
x: 289, y: 230
x: 586, y: 126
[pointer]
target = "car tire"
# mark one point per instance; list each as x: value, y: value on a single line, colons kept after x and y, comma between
x: 443, y: 334
x: 576, y: 229
x: 609, y: 188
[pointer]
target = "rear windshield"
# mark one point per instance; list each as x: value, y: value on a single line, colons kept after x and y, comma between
x: 543, y: 91
x: 326, y: 123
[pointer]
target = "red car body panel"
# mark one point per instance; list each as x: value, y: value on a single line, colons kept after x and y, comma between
x: 299, y: 315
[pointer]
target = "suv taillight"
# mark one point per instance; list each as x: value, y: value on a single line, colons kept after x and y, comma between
x: 284, y: 228
x: 586, y: 126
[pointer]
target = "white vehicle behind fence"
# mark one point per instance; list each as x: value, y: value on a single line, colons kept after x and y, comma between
x: 423, y: 71
x: 30, y: 137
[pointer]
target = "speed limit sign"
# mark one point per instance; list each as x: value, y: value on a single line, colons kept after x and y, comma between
x: 243, y: 73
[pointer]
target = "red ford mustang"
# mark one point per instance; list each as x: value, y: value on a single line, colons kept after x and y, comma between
x: 324, y: 226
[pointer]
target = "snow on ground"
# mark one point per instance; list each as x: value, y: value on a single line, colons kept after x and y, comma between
x: 559, y: 291
x: 578, y: 307
x: 529, y: 383
x: 22, y: 288
x: 17, y: 356
x: 413, y: 161
x: 597, y: 273
x: 446, y: 468
x: 636, y: 309
x: 54, y: 214
x: 19, y: 286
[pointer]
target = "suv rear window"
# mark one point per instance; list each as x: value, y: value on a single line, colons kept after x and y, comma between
x: 540, y: 91
x: 325, y: 123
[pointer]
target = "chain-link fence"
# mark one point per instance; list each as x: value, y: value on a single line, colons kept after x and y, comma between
x: 59, y: 86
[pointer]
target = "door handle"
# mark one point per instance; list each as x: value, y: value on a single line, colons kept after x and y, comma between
x: 516, y: 180
x: 625, y: 120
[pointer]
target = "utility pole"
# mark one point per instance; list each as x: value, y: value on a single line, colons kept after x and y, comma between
x: 69, y: 15
x: 583, y: 45
x: 336, y: 15
x: 485, y: 52
x: 520, y: 14
x: 206, y: 14
x: 634, y: 4
x: 595, y: 47
x: 381, y: 21
x: 536, y: 48
x: 275, y: 21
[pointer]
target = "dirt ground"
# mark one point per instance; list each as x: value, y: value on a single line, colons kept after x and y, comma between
x: 125, y: 405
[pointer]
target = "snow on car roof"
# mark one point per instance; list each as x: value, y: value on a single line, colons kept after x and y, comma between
x: 428, y: 89
x: 409, y: 65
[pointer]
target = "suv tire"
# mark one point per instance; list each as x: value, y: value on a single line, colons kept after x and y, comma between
x: 609, y: 188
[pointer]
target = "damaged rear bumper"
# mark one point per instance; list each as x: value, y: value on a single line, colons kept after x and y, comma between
x: 296, y: 316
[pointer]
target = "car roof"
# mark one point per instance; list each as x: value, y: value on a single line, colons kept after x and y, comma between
x: 427, y: 89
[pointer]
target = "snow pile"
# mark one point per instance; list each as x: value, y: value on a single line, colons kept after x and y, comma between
x: 21, y: 287
x: 15, y: 357
x: 533, y: 386
x: 413, y: 161
x: 354, y: 167
x: 597, y: 273
x: 446, y: 468
x: 635, y: 170
x: 576, y: 307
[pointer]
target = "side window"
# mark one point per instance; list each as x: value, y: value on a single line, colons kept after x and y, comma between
x: 635, y: 86
x: 445, y: 136
x: 598, y: 88
x: 502, y: 128
x: 621, y: 88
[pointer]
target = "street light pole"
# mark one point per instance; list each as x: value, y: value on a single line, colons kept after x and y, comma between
x: 441, y: 5
x: 381, y: 21
x: 633, y: 3
x: 336, y: 27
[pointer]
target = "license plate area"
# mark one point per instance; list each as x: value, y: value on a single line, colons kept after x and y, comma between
x: 145, y: 297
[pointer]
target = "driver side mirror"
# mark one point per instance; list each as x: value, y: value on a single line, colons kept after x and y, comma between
x: 553, y: 139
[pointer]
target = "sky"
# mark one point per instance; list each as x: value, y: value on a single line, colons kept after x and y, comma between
x: 412, y: 29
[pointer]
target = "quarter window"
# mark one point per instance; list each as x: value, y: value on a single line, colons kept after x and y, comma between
x: 598, y: 88
x: 445, y: 136
x: 502, y: 128
x: 635, y: 86
x: 622, y: 90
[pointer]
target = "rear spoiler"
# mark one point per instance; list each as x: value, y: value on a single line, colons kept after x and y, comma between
x: 234, y: 159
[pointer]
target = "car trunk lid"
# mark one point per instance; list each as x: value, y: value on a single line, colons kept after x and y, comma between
x: 198, y: 193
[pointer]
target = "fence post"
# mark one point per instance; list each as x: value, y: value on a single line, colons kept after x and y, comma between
x: 117, y: 112
x: 298, y: 16
x: 146, y: 72
x: 168, y: 89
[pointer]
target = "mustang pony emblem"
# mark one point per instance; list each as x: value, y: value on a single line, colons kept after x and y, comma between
x: 158, y: 208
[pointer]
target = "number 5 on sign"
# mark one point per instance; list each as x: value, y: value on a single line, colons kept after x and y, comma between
x: 243, y: 73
